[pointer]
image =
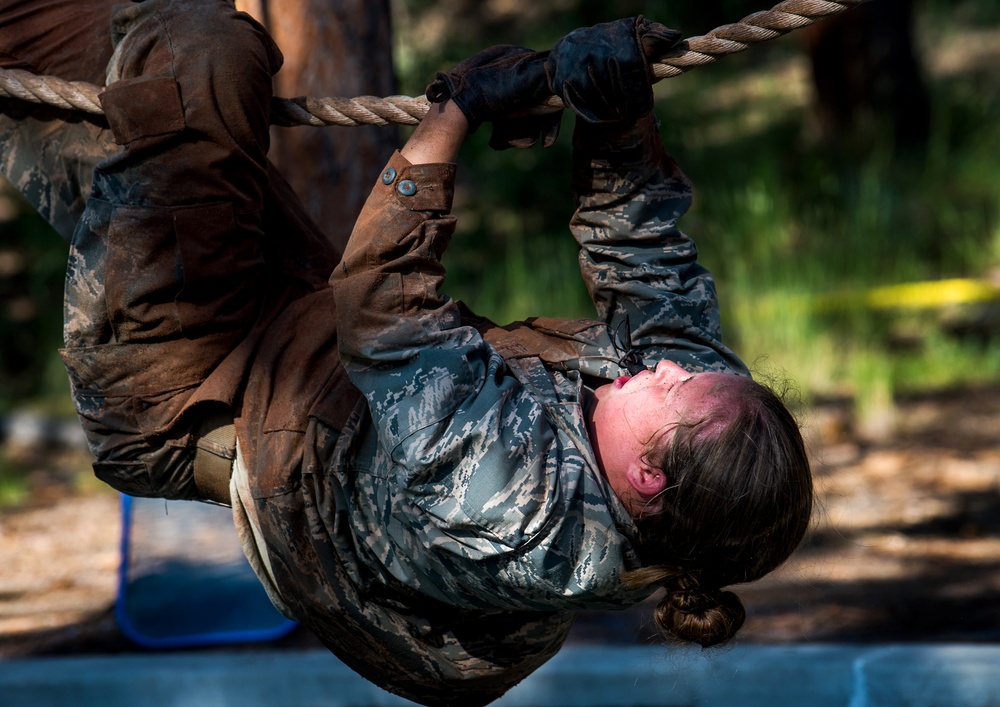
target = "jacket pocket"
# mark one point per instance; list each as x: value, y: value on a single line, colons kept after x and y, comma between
x: 174, y: 269
x: 143, y: 107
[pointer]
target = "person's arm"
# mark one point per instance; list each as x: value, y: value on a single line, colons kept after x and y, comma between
x: 402, y: 342
x: 439, y: 135
x: 637, y: 264
x: 642, y: 272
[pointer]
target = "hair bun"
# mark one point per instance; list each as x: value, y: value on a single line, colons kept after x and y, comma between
x: 694, y: 601
x: 704, y: 616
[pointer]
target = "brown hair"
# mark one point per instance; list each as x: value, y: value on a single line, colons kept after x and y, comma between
x: 737, y: 503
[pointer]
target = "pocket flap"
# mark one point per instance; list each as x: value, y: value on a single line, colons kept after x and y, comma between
x: 143, y: 107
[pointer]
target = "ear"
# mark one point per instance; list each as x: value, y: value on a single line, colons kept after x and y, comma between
x: 647, y: 480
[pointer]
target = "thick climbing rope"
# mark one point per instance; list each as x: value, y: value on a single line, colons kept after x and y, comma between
x: 405, y: 110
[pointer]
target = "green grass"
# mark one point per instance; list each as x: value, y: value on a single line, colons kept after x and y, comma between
x: 14, y: 488
x: 820, y: 228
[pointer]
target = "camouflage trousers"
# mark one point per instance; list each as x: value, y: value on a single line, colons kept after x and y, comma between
x: 165, y: 269
x: 171, y: 281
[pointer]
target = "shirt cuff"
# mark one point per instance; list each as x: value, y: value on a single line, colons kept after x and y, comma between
x: 421, y: 187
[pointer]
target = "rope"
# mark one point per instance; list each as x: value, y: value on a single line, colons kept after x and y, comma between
x: 404, y: 110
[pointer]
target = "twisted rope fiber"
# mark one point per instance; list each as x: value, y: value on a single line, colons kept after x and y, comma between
x: 405, y: 110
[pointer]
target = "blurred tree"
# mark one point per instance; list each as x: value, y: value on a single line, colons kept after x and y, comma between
x: 867, y: 77
x: 32, y: 262
x: 331, y: 48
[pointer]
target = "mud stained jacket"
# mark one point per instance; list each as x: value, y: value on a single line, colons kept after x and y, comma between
x: 440, y: 540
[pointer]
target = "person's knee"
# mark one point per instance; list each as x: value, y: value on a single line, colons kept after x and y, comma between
x: 141, y: 407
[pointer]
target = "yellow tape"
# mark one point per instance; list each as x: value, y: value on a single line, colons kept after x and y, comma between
x: 935, y: 294
x: 914, y: 295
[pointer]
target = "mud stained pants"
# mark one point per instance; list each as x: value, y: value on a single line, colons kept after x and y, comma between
x: 166, y: 272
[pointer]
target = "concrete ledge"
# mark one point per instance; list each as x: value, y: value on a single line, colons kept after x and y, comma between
x: 746, y: 676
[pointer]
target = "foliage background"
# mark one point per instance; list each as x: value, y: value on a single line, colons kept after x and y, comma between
x: 795, y: 231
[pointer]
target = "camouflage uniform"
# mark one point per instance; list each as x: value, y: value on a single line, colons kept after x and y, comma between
x: 415, y: 484
x: 47, y: 153
x: 461, y: 500
x: 474, y: 481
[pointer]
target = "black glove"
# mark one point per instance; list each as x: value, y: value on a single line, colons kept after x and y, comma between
x: 497, y: 82
x: 602, y: 72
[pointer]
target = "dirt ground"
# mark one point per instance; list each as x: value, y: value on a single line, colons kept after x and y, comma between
x: 905, y: 544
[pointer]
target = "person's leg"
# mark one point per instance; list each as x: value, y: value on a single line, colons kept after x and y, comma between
x: 182, y: 201
x: 166, y: 273
x: 49, y: 154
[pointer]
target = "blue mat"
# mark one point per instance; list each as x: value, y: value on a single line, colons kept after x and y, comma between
x: 184, y: 580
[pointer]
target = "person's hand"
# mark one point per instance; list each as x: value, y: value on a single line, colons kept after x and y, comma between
x: 496, y: 83
x: 603, y: 72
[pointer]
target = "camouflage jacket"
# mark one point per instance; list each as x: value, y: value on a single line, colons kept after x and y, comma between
x: 475, y: 483
x: 440, y: 539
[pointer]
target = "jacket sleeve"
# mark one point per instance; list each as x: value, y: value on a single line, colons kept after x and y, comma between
x: 401, y: 342
x: 458, y: 427
x: 641, y: 271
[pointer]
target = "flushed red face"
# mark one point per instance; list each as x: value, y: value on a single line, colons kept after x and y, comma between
x: 624, y: 416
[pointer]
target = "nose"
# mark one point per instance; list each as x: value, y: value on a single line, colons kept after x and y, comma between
x: 668, y: 370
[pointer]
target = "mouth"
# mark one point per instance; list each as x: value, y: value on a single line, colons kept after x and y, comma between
x: 620, y: 382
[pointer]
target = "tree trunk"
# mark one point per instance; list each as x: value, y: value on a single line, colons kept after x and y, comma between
x: 866, y: 73
x: 331, y: 48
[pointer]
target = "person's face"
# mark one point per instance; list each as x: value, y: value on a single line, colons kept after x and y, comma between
x: 626, y: 415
